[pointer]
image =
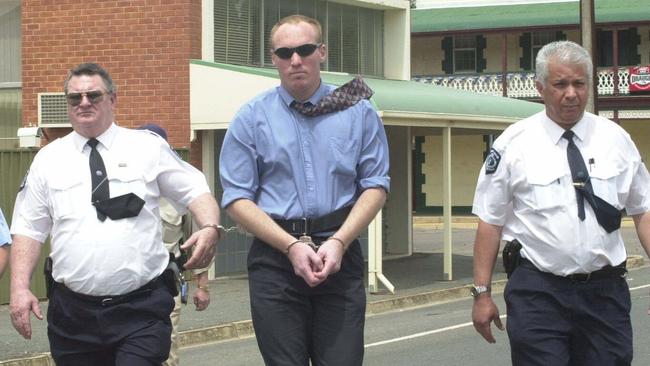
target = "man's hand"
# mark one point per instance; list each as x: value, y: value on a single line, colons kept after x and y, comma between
x: 305, y: 263
x: 331, y: 253
x: 204, y: 243
x: 485, y: 312
x: 201, y: 299
x: 21, y: 304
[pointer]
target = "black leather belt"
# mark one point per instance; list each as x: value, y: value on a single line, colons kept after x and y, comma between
x: 107, y: 300
x: 608, y: 271
x: 308, y: 226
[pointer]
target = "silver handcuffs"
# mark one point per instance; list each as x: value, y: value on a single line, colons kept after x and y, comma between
x: 307, y: 240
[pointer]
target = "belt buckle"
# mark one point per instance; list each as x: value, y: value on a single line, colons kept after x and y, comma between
x: 307, y: 240
x: 305, y: 227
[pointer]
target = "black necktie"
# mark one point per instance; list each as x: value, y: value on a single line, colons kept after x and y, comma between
x: 339, y: 99
x: 98, y: 175
x: 579, y: 173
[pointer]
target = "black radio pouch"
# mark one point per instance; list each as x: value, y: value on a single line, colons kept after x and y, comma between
x: 171, y: 275
x: 511, y: 256
x: 49, y: 280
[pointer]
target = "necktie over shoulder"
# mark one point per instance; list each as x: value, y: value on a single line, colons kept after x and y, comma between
x: 608, y: 216
x: 100, y: 189
x: 339, y: 99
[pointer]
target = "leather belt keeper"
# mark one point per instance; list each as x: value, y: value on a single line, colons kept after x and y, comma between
x: 308, y: 226
x: 618, y: 271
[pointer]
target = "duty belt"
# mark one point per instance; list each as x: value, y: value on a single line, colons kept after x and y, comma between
x: 618, y: 271
x: 306, y: 226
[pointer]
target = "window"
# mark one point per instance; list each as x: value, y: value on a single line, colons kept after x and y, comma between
x: 464, y: 54
x: 628, y: 42
x: 354, y: 35
x: 539, y: 40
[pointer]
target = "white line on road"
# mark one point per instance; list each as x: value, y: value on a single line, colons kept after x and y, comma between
x: 453, y: 327
x: 422, y: 334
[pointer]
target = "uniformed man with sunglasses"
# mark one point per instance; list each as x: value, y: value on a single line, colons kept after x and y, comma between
x: 96, y: 192
x: 306, y: 184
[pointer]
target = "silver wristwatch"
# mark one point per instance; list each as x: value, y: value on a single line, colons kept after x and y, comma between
x: 476, y: 290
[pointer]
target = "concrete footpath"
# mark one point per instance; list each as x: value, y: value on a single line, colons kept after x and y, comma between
x: 418, y: 280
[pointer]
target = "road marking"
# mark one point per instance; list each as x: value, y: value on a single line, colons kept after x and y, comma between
x: 445, y: 329
x: 422, y: 334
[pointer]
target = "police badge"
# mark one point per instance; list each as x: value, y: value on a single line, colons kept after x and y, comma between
x: 492, y: 161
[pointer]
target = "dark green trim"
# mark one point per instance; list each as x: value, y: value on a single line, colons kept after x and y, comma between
x: 418, y: 177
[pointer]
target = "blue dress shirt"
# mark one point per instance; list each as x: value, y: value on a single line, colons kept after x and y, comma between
x: 296, y: 166
x: 5, y: 237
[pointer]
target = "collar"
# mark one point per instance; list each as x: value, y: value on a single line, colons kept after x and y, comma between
x: 555, y: 132
x: 323, y: 89
x: 105, y: 139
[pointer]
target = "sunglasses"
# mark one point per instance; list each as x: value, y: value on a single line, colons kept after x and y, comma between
x: 94, y: 97
x: 304, y: 50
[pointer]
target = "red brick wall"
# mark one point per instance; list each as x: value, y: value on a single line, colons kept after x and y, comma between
x: 144, y: 44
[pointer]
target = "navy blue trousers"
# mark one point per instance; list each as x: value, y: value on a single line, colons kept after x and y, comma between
x: 295, y: 323
x: 553, y: 321
x: 132, y: 333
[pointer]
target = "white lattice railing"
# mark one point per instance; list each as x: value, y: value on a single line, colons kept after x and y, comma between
x: 520, y: 84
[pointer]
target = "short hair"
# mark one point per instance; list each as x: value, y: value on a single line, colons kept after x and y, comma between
x: 566, y: 52
x: 91, y: 69
x: 295, y: 19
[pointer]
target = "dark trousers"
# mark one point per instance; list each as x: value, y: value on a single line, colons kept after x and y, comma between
x: 561, y: 322
x: 134, y: 332
x: 295, y: 323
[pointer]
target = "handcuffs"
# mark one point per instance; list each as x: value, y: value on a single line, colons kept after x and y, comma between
x: 305, y: 239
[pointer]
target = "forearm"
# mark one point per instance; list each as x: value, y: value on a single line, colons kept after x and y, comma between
x: 642, y: 223
x: 4, y: 258
x: 247, y: 214
x: 205, y: 209
x: 25, y: 253
x: 362, y: 213
x: 486, y: 248
x: 202, y: 279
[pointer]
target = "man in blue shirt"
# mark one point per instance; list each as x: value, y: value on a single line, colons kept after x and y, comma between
x: 5, y: 241
x: 306, y: 185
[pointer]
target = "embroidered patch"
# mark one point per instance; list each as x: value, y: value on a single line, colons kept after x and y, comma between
x: 22, y: 184
x: 492, y: 161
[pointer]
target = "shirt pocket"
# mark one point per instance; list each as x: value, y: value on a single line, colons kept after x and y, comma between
x: 69, y: 198
x: 547, y: 189
x: 125, y: 180
x: 604, y: 182
x: 343, y: 156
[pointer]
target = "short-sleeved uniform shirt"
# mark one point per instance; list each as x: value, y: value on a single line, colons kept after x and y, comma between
x: 526, y: 187
x: 110, y: 257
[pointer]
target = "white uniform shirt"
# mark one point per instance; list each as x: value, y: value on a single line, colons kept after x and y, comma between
x: 110, y: 257
x: 531, y: 195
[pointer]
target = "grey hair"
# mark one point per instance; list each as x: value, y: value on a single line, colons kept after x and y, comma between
x: 566, y: 52
x: 91, y: 69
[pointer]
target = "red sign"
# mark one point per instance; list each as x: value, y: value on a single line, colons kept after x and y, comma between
x: 639, y: 79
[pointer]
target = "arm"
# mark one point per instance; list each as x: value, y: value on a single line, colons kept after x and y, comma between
x: 486, y: 248
x: 205, y: 210
x: 303, y: 259
x: 24, y: 257
x: 4, y: 258
x: 362, y: 213
x: 642, y: 224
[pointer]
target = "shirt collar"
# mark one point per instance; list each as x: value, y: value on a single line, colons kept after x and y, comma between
x: 322, y: 90
x: 105, y: 139
x: 555, y: 132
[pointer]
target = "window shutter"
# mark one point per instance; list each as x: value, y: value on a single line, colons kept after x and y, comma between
x: 334, y: 35
x: 350, y: 41
x: 560, y: 36
x: 525, y: 42
x: 628, y: 42
x: 481, y: 62
x: 448, y: 50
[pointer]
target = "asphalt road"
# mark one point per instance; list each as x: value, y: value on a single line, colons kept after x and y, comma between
x: 432, y: 335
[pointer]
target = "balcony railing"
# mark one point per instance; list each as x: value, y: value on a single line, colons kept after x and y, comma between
x: 521, y: 84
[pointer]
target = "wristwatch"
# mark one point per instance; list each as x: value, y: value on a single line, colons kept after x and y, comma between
x: 477, y: 290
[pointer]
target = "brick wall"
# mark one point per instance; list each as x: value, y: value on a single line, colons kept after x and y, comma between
x: 144, y: 44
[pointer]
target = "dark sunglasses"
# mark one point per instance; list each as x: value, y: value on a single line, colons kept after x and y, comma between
x: 304, y: 50
x: 94, y: 97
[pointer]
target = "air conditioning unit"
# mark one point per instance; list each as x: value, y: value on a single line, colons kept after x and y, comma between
x: 52, y: 110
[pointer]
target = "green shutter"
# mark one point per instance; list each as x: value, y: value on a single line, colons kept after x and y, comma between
x: 525, y: 42
x: 448, y: 50
x: 481, y: 62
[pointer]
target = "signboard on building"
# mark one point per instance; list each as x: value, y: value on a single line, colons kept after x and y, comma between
x: 639, y: 79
